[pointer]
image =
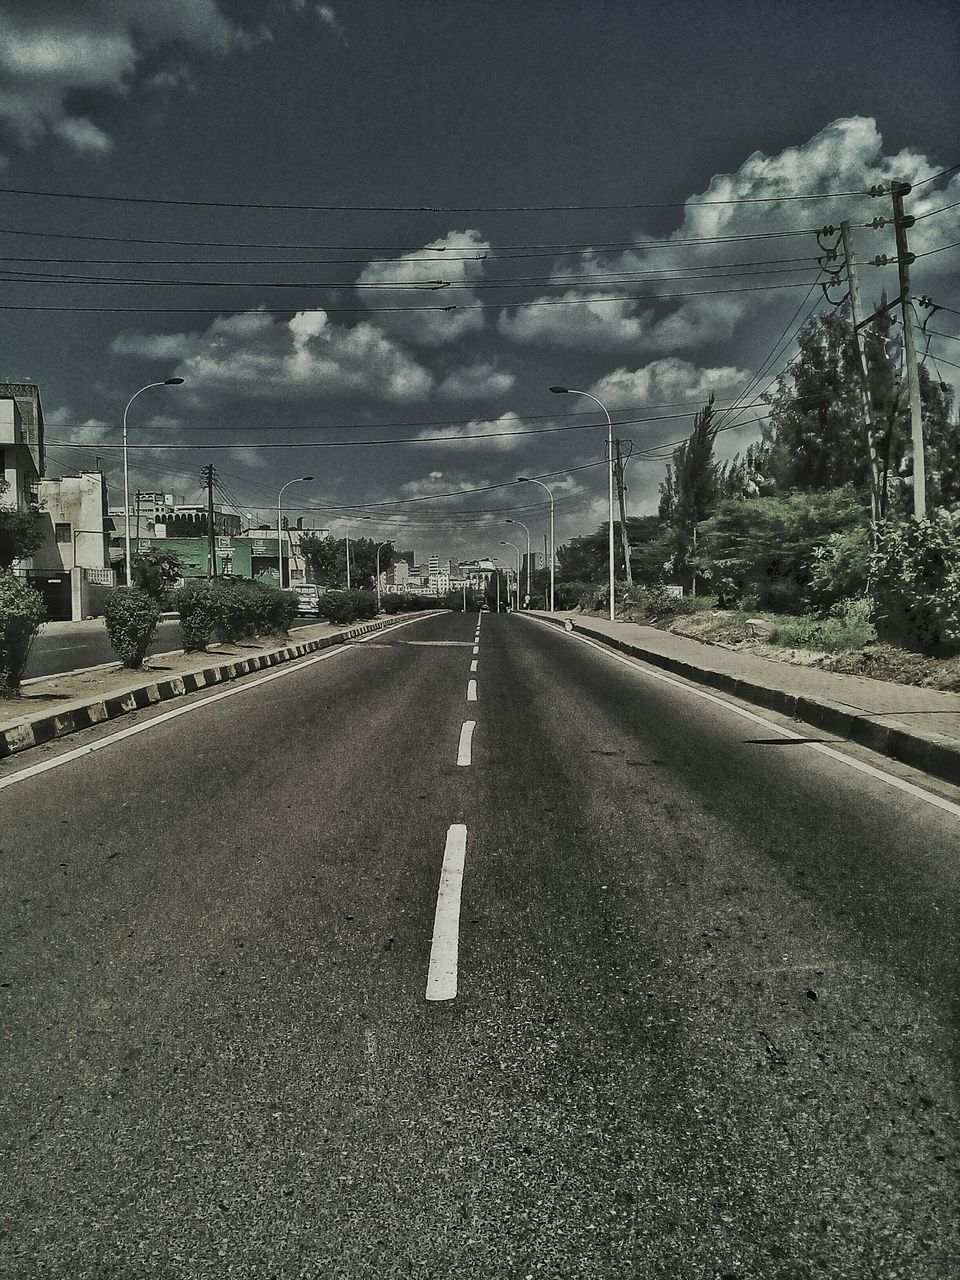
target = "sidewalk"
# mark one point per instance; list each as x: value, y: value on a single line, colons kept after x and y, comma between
x: 920, y: 727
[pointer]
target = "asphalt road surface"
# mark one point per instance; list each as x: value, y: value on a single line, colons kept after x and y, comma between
x: 70, y: 646
x: 693, y: 998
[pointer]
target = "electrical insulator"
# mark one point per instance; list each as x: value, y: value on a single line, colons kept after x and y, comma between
x: 880, y: 260
x: 877, y: 191
x: 908, y: 220
x: 828, y: 230
x: 878, y: 224
x: 909, y: 257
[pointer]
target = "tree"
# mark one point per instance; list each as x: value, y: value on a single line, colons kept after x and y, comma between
x: 587, y: 558
x: 155, y: 572
x: 21, y: 532
x: 689, y: 491
x: 764, y: 552
x: 326, y: 560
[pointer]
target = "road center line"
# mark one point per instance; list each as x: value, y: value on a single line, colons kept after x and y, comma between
x: 473, y: 665
x: 476, y: 650
x: 471, y: 690
x: 465, y: 749
x: 444, y: 951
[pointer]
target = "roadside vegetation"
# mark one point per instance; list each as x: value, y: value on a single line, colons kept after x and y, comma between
x: 776, y: 547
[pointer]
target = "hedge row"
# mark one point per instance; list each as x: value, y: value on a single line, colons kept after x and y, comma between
x: 232, y: 609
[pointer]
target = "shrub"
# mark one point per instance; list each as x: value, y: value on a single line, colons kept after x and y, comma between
x: 915, y: 572
x: 655, y: 603
x: 21, y: 613
x: 364, y: 603
x: 338, y: 607
x: 233, y: 609
x: 847, y: 626
x: 841, y: 567
x: 197, y: 615
x: 131, y: 617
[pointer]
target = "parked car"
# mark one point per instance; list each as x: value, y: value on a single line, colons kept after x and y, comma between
x: 308, y: 597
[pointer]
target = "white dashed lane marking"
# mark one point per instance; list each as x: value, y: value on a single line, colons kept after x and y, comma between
x: 465, y: 749
x: 445, y: 949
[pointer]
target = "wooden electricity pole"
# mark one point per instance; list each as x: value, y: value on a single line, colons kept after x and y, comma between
x: 904, y: 258
x: 207, y: 476
x: 618, y: 465
x: 856, y: 309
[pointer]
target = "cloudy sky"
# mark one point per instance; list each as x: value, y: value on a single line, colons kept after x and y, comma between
x: 370, y: 234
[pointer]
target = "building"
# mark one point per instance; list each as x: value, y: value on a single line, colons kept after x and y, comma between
x: 21, y: 444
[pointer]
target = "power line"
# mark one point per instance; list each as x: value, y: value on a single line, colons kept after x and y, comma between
x: 394, y: 440
x: 425, y: 422
x: 475, y: 306
x: 282, y: 207
x: 526, y: 250
x: 951, y: 337
x: 933, y: 177
x: 940, y: 248
x: 942, y: 209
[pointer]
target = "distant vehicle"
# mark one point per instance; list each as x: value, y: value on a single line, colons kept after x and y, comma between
x: 308, y: 598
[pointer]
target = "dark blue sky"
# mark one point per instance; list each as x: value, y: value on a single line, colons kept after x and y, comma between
x: 459, y: 107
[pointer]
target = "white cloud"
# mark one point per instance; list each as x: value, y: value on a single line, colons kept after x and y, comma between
x: 498, y: 433
x: 666, y: 381
x: 483, y: 380
x: 329, y: 18
x: 56, y: 48
x: 457, y: 259
x: 846, y: 155
x: 255, y: 354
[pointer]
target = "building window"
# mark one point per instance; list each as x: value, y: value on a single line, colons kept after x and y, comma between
x: 63, y: 532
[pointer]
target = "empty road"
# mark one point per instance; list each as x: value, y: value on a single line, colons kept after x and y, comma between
x: 449, y: 955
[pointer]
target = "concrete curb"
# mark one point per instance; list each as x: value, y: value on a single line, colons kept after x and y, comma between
x: 71, y: 717
x: 931, y: 753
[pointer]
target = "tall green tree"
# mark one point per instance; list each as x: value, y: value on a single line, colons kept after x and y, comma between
x: 690, y: 490
x: 21, y: 532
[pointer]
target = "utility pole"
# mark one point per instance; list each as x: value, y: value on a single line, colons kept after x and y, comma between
x: 138, y: 518
x: 904, y: 258
x: 207, y: 476
x: 619, y: 464
x: 856, y: 308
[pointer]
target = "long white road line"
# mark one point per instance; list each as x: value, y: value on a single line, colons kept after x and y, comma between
x: 445, y: 949
x: 145, y: 726
x: 465, y: 748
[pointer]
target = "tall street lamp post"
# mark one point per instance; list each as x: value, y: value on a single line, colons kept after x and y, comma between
x: 167, y: 382
x: 530, y: 480
x: 569, y: 391
x: 517, y: 550
x: 379, y: 549
x: 527, y: 532
x: 298, y: 480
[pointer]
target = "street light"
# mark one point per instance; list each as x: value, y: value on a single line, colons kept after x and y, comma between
x: 298, y: 480
x: 507, y: 520
x: 517, y: 550
x: 167, y: 382
x: 569, y: 391
x: 530, y: 480
x: 379, y: 549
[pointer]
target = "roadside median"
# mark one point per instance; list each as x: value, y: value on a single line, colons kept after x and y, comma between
x: 73, y: 702
x: 894, y: 720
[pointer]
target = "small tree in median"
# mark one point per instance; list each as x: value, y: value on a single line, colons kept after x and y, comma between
x: 131, y: 617
x: 21, y: 613
x: 155, y: 571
